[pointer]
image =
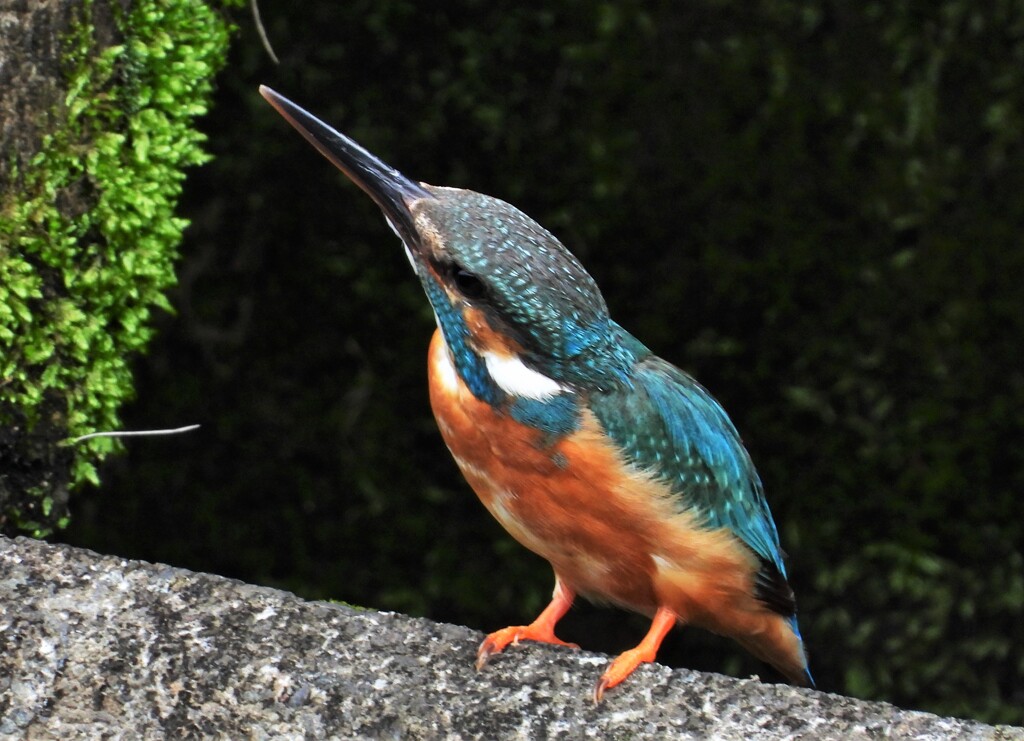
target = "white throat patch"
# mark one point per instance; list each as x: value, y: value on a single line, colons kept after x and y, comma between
x: 515, y: 379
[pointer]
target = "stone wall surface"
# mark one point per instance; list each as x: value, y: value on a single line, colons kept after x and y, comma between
x: 99, y: 647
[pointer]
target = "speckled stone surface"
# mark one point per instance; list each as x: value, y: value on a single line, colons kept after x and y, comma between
x: 99, y: 647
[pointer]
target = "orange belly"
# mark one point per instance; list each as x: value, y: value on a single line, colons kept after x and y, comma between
x: 611, y: 532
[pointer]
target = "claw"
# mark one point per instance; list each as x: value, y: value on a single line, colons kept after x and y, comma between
x: 599, y: 688
x: 495, y: 643
x: 483, y: 655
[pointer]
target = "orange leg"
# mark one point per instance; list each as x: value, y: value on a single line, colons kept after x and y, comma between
x: 542, y: 629
x: 624, y: 664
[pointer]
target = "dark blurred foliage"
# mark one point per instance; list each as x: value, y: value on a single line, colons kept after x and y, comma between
x: 815, y: 207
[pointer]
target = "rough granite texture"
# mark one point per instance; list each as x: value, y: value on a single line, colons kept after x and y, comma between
x: 100, y: 647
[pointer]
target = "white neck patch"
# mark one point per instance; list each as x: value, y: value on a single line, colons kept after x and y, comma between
x: 515, y: 379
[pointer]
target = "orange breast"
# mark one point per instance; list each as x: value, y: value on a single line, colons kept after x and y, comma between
x: 611, y: 532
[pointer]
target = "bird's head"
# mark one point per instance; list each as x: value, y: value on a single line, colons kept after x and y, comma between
x: 515, y: 306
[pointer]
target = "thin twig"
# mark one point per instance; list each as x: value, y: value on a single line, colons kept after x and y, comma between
x: 262, y: 32
x: 133, y: 433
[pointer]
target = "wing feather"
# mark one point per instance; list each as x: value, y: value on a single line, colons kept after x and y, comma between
x: 666, y: 422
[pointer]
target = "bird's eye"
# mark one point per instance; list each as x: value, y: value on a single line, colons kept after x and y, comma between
x: 467, y: 284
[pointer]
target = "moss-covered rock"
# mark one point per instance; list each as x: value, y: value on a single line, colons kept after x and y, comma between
x: 103, y: 96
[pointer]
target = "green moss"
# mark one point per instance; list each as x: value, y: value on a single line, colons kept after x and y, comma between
x: 89, y: 244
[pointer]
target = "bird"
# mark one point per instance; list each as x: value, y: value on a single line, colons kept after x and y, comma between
x: 611, y: 463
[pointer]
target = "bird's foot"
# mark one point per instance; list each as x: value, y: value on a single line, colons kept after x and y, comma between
x: 497, y: 641
x: 626, y: 663
x: 621, y: 667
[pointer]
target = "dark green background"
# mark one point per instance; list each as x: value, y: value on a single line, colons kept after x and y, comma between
x: 815, y: 207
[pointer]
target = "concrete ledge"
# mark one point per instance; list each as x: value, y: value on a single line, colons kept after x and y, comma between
x: 95, y: 646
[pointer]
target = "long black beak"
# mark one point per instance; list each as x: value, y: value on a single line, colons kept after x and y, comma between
x: 390, y: 189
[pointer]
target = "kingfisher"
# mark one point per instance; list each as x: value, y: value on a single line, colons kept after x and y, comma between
x: 614, y: 465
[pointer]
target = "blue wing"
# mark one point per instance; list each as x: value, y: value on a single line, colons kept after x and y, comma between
x: 664, y: 421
